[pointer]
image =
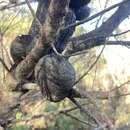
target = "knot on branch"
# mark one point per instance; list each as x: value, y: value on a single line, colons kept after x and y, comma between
x: 56, y: 76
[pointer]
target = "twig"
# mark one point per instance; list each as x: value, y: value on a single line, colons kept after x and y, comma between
x: 29, y: 117
x: 4, y: 31
x: 77, y: 119
x: 127, y: 82
x: 8, y: 26
x: 8, y: 6
x: 118, y: 34
x: 34, y: 15
x: 90, y: 66
x: 71, y: 109
x: 2, y: 55
x: 85, y: 111
x: 4, y: 64
x: 106, y: 2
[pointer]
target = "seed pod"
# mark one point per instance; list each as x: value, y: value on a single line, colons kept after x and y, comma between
x: 56, y: 76
x: 19, y: 45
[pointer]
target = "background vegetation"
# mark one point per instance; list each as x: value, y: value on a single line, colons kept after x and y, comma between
x: 45, y: 115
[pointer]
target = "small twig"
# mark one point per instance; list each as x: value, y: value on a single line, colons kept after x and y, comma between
x: 90, y: 66
x: 118, y: 34
x: 10, y: 23
x: 79, y: 53
x: 122, y: 95
x: 34, y: 15
x: 71, y: 109
x: 2, y: 55
x: 3, y: 32
x: 85, y: 111
x: 77, y: 119
x: 9, y: 6
x: 106, y: 2
x: 4, y: 64
x: 120, y: 86
x: 55, y: 50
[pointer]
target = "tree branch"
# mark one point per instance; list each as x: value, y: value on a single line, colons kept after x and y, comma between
x: 96, y: 15
x: 43, y: 6
x: 57, y: 11
x: 97, y: 37
x: 9, y: 6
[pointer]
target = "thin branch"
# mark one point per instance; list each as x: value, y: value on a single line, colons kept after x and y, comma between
x: 120, y: 86
x: 10, y: 23
x: 4, y: 64
x: 77, y: 119
x: 34, y: 15
x: 106, y: 2
x: 85, y: 111
x: 124, y: 43
x: 121, y: 33
x: 54, y: 113
x: 90, y: 66
x: 9, y: 6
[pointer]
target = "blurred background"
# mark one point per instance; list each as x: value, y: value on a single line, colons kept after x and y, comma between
x: 111, y: 74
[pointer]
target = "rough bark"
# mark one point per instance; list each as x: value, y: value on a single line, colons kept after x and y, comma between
x: 43, y: 6
x: 50, y: 28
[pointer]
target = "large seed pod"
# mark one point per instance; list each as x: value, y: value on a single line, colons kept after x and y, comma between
x: 56, y: 76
